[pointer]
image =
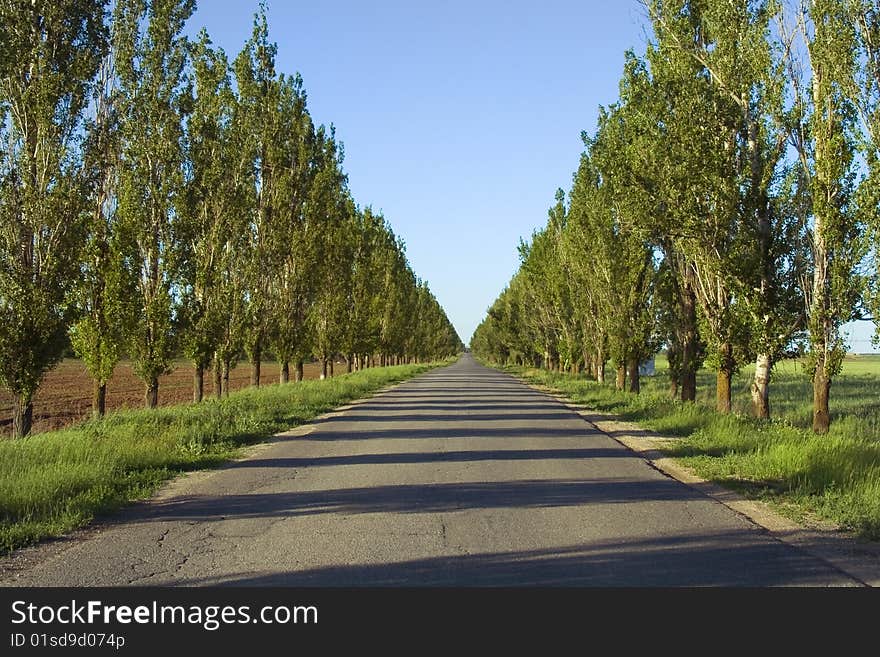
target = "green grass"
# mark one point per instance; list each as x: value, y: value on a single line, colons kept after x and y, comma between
x: 835, y: 477
x: 53, y: 482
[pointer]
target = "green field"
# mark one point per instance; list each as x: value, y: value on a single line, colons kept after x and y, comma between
x: 53, y: 482
x: 835, y: 477
x: 855, y: 394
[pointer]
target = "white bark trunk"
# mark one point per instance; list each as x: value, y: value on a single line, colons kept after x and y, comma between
x: 761, y: 386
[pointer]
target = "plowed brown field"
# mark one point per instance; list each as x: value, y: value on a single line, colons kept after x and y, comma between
x: 65, y: 395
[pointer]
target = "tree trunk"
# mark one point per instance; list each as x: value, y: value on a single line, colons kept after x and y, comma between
x: 821, y: 389
x: 152, y: 396
x: 323, y: 368
x: 349, y: 365
x: 821, y: 317
x: 725, y: 374
x: 633, y: 367
x: 299, y: 375
x: 331, y: 368
x: 218, y: 378
x: 689, y: 343
x: 688, y: 386
x: 255, y: 367
x: 226, y: 369
x: 99, y: 399
x: 763, y: 361
x: 761, y: 386
x: 198, y: 383
x: 722, y: 391
x: 600, y: 365
x: 673, y: 387
x: 620, y: 383
x: 284, y: 375
x: 22, y: 416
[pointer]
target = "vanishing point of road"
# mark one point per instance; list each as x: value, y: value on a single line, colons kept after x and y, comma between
x: 462, y: 476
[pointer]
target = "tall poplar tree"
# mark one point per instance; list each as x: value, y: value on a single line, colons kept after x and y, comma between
x: 50, y: 52
x: 297, y: 225
x: 215, y: 191
x: 826, y: 143
x: 329, y: 211
x: 658, y: 166
x: 620, y: 220
x: 365, y: 301
x: 151, y: 66
x: 702, y: 142
x: 743, y: 65
x: 584, y: 253
x: 105, y: 288
x: 865, y: 92
x: 265, y: 102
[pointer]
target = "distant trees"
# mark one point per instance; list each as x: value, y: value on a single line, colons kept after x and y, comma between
x: 159, y: 201
x: 720, y: 209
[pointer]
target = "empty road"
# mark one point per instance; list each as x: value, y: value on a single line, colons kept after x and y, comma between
x: 462, y: 476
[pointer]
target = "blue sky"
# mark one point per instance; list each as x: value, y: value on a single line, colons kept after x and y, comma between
x: 460, y: 119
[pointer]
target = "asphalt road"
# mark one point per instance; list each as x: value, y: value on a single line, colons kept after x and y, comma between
x: 460, y: 477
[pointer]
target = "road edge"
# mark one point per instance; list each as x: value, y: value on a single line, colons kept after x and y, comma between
x: 31, y: 556
x: 857, y: 559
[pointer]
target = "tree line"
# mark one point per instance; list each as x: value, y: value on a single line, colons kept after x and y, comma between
x: 159, y: 200
x: 725, y: 208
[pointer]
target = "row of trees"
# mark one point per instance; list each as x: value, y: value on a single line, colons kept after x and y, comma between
x: 158, y: 200
x: 725, y: 208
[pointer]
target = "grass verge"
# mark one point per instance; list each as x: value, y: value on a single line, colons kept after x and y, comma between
x: 835, y: 477
x: 57, y: 481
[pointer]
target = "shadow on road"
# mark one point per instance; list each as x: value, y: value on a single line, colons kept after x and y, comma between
x: 535, y: 431
x: 461, y: 416
x: 454, y: 405
x: 468, y: 456
x: 702, y: 559
x: 422, y: 498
